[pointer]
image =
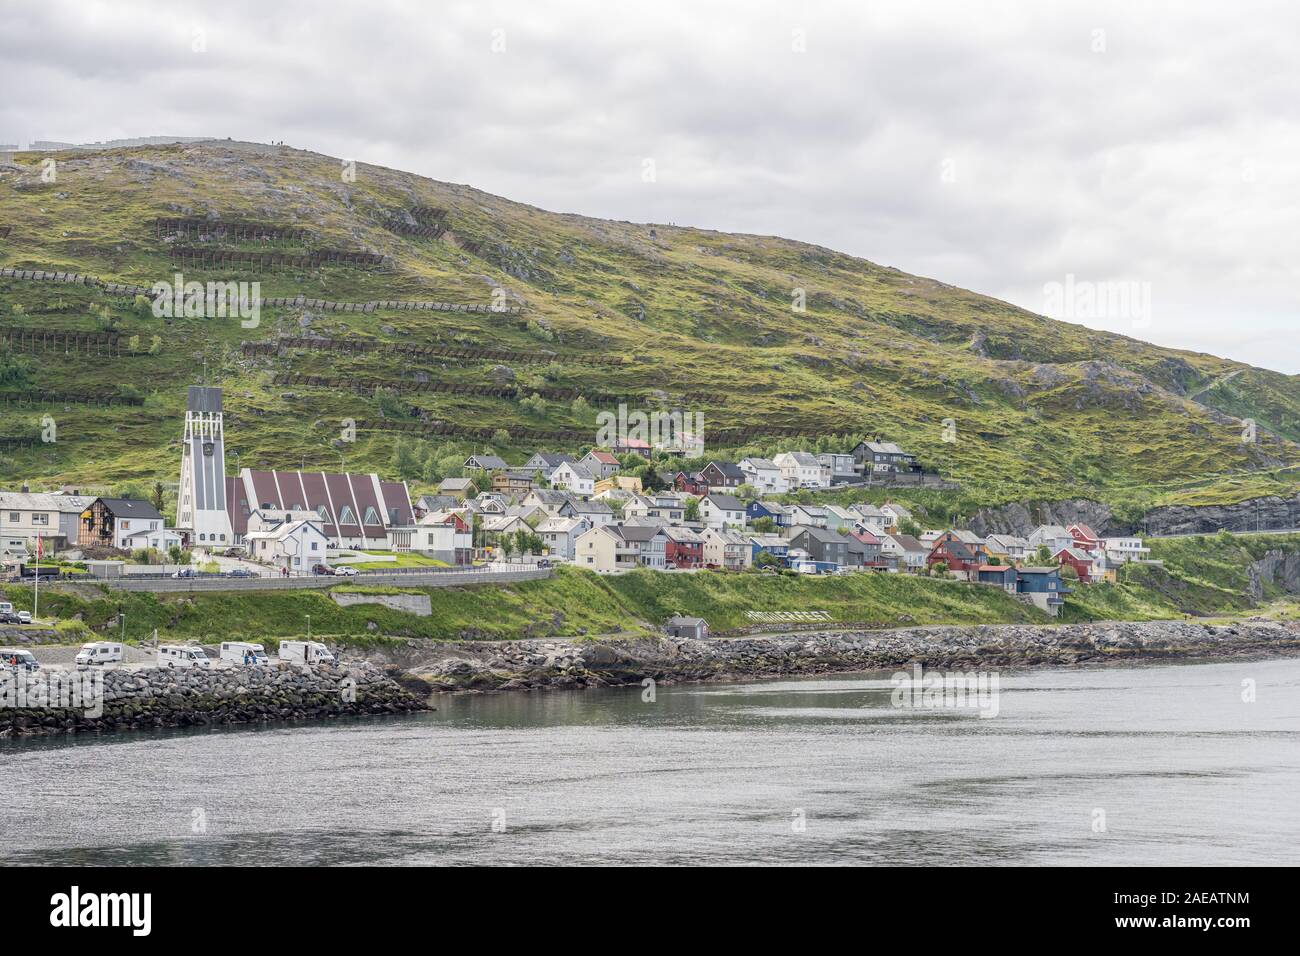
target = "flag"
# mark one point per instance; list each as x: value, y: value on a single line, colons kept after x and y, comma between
x: 39, y: 550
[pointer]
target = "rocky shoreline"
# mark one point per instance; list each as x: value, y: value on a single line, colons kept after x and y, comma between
x: 95, y: 701
x: 485, y: 666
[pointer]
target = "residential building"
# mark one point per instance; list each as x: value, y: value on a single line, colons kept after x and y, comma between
x: 601, y: 464
x: 877, y: 457
x: 820, y: 544
x: 55, y: 518
x: 812, y: 516
x: 722, y: 511
x: 764, y: 474
x: 543, y: 463
x: 691, y: 483
x: 630, y: 484
x: 897, y: 512
x: 775, y: 545
x: 912, y: 555
x: 547, y: 499
x: 665, y: 509
x: 1043, y: 586
x: 161, y: 540
x: 595, y: 513
x: 683, y: 548
x: 446, y: 536
x: 1122, y: 549
x: 1083, y: 537
x: 649, y: 544
x: 838, y: 518
x: 513, y: 483
x: 757, y: 510
x: 722, y: 476
x: 1081, y: 561
x: 800, y: 470
x: 485, y: 463
x: 725, y: 549
x: 1009, y: 547
x: 873, y: 519
x: 297, y: 544
x: 111, y: 522
x: 1053, y: 536
x: 560, y: 536
x: 871, y: 548
x: 458, y: 487
x: 960, y: 558
x: 573, y: 478
x: 837, y: 469
x: 1003, y: 576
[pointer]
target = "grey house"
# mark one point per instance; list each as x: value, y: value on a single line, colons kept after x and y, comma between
x: 695, y: 627
x: 821, y: 545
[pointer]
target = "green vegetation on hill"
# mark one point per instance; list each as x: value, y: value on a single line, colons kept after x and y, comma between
x: 701, y: 321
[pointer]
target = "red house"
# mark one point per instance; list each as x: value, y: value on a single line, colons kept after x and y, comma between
x: 956, y: 554
x: 691, y: 484
x: 1079, y: 560
x: 683, y: 548
x: 1085, y: 539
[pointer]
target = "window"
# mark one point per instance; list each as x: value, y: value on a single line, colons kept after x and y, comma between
x: 371, y: 516
x: 41, y: 518
x: 14, y: 516
x: 346, y: 517
x: 203, y: 537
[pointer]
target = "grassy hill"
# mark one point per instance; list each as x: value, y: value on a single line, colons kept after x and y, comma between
x: 660, y: 317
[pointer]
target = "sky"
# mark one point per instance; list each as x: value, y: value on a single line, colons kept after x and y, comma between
x: 1129, y: 166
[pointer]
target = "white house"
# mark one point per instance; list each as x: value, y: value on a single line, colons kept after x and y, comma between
x: 297, y: 545
x: 1007, y: 545
x: 876, y: 520
x: 446, y: 536
x: 721, y: 511
x: 910, y: 553
x: 896, y: 511
x: 1125, y: 549
x: 837, y: 469
x: 764, y: 474
x: 573, y: 478
x: 1053, y: 535
x: 727, y: 549
x: 811, y: 516
x: 800, y: 469
x: 560, y: 536
x: 162, y: 539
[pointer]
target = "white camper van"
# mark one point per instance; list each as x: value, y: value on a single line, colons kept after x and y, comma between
x: 305, y: 652
x: 99, y: 652
x: 241, y: 652
x: 177, y: 655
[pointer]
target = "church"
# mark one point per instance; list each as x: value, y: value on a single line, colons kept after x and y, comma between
x: 213, y: 508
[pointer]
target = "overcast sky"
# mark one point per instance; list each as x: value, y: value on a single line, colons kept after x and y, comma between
x: 1151, y: 152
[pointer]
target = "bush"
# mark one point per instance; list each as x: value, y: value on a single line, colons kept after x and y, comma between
x: 72, y: 629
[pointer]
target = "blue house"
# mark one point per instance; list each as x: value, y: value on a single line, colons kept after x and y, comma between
x: 1044, y: 587
x: 773, y: 544
x: 1003, y: 576
x: 766, y: 509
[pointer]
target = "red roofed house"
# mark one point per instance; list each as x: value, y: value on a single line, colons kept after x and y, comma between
x: 961, y: 558
x: 1085, y: 539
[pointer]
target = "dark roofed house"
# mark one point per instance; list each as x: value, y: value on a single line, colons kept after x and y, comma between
x: 820, y: 544
x: 722, y: 475
x: 108, y: 522
x: 693, y: 627
x: 485, y: 462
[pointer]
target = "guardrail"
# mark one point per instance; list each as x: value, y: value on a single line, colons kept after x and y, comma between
x: 403, y: 577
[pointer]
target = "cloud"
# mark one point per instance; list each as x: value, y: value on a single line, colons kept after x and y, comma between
x: 993, y: 146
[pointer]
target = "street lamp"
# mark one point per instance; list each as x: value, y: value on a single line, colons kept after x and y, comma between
x: 309, y: 627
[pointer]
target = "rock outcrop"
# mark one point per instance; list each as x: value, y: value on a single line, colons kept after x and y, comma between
x: 53, y: 701
x: 527, y: 665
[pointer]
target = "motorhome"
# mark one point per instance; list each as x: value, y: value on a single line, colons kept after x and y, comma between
x: 181, y: 656
x: 305, y: 652
x: 241, y: 652
x: 16, y: 659
x: 99, y: 652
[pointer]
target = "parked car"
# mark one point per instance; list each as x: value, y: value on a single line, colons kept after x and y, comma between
x: 17, y: 659
x: 182, y: 656
x: 241, y: 573
x: 344, y: 570
x: 99, y: 652
x: 24, y: 617
x: 9, y: 617
x: 233, y: 552
x: 322, y: 569
x: 183, y: 573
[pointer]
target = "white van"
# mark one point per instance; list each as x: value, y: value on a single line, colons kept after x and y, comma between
x: 99, y: 652
x: 305, y: 652
x: 240, y: 652
x: 177, y: 655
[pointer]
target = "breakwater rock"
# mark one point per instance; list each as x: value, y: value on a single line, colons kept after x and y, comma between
x: 526, y: 665
x: 52, y: 701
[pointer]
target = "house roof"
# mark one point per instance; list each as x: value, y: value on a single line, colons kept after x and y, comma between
x: 1084, y: 531
x: 884, y: 447
x: 814, y: 511
x: 868, y: 510
x: 131, y: 508
x: 759, y: 464
x: 37, y: 501
x: 1002, y: 568
x: 579, y: 470
x: 1074, y: 553
x: 638, y: 532
x: 866, y: 537
x: 803, y: 458
x: 559, y: 525
x: 683, y: 535
x: 1052, y: 570
x: 955, y: 547
x: 679, y: 621
x: 729, y: 469
x: 896, y: 509
x: 908, y: 543
x: 552, y: 459
x: 591, y: 507
x: 1051, y: 531
x: 817, y: 534
x: 725, y: 502
x: 456, y: 484
x: 486, y: 462
x: 604, y: 457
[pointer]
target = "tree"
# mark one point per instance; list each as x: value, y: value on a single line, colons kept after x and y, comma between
x: 1043, y: 555
x: 157, y: 499
x: 909, y: 526
x: 691, y: 509
x: 746, y: 492
x: 763, y: 525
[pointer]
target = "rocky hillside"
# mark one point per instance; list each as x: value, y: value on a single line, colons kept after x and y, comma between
x: 587, y: 313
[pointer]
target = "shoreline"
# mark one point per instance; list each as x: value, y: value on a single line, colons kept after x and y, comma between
x: 494, y: 667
